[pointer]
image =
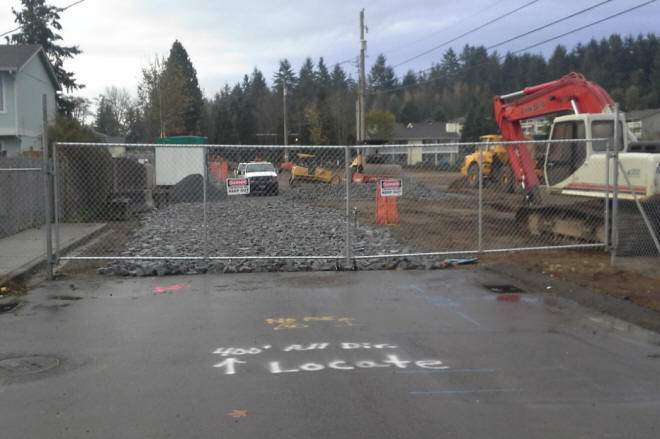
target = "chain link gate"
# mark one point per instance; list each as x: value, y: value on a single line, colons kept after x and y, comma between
x: 167, y: 208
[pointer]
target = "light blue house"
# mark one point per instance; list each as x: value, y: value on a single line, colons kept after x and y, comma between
x: 25, y: 76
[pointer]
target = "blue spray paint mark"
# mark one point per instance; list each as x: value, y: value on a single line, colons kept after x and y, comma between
x: 463, y: 392
x: 447, y: 371
x: 468, y: 318
x: 416, y: 288
x: 441, y: 301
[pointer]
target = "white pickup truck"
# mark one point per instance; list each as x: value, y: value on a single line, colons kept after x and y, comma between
x: 261, y: 175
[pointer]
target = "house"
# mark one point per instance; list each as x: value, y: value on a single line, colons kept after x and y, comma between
x: 427, y: 133
x: 25, y: 76
x: 644, y: 124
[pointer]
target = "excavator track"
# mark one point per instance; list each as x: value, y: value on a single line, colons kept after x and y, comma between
x: 579, y: 222
x: 584, y: 222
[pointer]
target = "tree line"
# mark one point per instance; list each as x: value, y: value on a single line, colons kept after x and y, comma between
x: 320, y: 99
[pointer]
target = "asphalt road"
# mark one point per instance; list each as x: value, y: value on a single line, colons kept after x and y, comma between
x: 421, y: 354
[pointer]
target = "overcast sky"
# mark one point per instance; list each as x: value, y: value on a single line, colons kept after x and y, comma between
x: 227, y: 39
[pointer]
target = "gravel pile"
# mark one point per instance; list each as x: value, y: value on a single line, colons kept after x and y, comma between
x: 246, y: 226
x: 412, y: 189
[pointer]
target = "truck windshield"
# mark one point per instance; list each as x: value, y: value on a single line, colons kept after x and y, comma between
x: 260, y: 167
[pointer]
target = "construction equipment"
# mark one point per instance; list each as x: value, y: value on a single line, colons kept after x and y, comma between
x: 370, y: 169
x: 575, y: 168
x: 496, y: 168
x: 306, y: 169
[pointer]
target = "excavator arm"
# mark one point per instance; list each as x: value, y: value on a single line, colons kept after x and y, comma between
x: 570, y: 93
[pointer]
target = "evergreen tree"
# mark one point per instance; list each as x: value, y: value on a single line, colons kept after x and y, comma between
x: 323, y: 76
x: 381, y: 76
x: 284, y: 75
x: 409, y: 80
x: 39, y: 24
x: 307, y: 85
x: 559, y: 64
x: 106, y: 121
x: 179, y: 68
x: 338, y: 80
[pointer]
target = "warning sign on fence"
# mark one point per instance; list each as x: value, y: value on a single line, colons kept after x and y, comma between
x: 391, y: 187
x: 238, y: 186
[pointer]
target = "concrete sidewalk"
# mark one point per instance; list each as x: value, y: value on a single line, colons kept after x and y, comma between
x: 23, y: 251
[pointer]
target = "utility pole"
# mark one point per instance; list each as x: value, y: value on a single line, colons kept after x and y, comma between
x: 362, y: 85
x: 286, y: 134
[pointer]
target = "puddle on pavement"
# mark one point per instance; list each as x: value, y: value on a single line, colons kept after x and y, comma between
x: 65, y: 297
x: 316, y: 280
x: 504, y: 289
x: 7, y: 307
x: 27, y: 365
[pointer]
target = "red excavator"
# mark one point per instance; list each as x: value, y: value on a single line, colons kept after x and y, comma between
x: 575, y: 168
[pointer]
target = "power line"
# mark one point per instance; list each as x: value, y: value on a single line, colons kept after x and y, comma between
x: 466, y: 33
x: 501, y: 57
x: 548, y: 25
x: 464, y: 19
x: 61, y: 10
x: 585, y: 26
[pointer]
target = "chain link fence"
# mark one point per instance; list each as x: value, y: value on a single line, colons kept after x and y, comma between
x: 22, y: 200
x: 193, y: 208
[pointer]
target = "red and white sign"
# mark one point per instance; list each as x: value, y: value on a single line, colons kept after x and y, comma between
x: 391, y: 188
x: 238, y: 186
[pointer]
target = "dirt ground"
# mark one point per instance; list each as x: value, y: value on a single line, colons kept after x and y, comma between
x: 452, y: 226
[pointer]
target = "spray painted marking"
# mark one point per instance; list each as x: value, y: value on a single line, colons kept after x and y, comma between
x: 433, y: 300
x: 441, y: 301
x: 293, y: 323
x: 171, y: 288
x: 252, y: 350
x: 237, y: 414
x: 228, y: 364
x: 225, y: 352
x: 416, y: 288
x: 391, y: 360
x: 319, y: 319
x: 448, y: 371
x: 285, y: 324
x: 463, y: 392
x: 468, y: 318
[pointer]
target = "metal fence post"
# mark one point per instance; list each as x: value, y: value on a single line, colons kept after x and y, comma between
x: 615, y: 198
x: 347, y: 160
x: 206, y: 182
x: 56, y: 202
x: 607, y: 194
x: 47, y: 187
x: 481, y: 201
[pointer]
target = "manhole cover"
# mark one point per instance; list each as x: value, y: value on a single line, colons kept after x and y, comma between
x: 6, y: 307
x: 502, y: 289
x: 27, y: 365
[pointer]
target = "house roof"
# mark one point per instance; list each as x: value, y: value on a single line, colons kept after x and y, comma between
x: 14, y: 56
x: 641, y: 114
x: 423, y: 130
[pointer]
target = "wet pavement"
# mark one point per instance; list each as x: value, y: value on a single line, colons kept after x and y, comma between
x: 424, y: 354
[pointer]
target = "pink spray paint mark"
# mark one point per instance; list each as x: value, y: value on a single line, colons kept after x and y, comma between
x: 171, y: 288
x: 508, y: 298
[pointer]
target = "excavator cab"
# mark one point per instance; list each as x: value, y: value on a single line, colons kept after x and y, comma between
x: 577, y: 161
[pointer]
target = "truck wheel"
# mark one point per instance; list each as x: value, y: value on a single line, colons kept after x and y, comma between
x: 335, y: 179
x: 473, y: 176
x: 505, y: 178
